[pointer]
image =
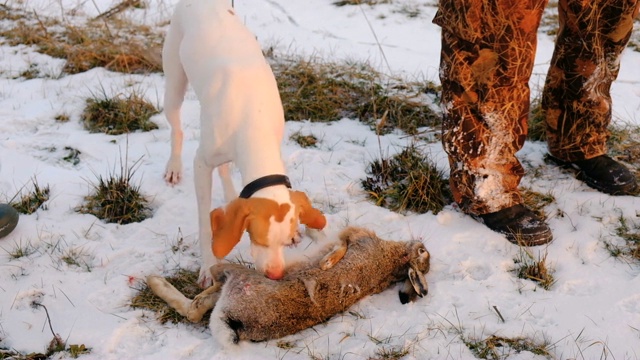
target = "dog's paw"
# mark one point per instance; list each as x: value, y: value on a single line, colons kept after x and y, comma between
x: 315, y: 234
x: 173, y: 174
x: 173, y: 177
x: 205, y: 279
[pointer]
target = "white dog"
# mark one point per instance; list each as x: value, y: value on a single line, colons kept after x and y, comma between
x: 241, y: 121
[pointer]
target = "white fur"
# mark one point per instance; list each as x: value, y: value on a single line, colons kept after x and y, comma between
x: 241, y: 116
x: 268, y: 260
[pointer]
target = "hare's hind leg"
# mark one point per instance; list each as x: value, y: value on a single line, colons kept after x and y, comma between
x: 167, y: 292
x: 334, y: 255
x: 203, y: 302
x: 347, y: 236
x: 194, y: 309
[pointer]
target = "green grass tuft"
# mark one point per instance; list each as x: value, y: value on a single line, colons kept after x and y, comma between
x: 528, y: 267
x: 34, y: 200
x: 20, y: 251
x: 116, y: 199
x: 390, y: 353
x: 119, y: 114
x: 629, y: 232
x: 499, y: 347
x: 325, y: 91
x: 408, y: 181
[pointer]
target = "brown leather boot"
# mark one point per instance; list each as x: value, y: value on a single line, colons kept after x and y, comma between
x: 519, y: 225
x: 603, y: 174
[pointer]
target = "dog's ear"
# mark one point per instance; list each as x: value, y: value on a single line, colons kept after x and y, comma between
x: 307, y: 214
x: 228, y: 225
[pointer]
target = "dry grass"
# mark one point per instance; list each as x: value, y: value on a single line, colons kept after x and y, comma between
x: 634, y: 41
x: 115, y: 44
x: 529, y: 267
x: 325, y: 91
x: 629, y: 232
x: 304, y: 141
x: 499, y: 347
x: 390, y: 353
x: 186, y: 282
x: 56, y: 349
x: 549, y: 23
x: 310, y: 89
x: 116, y: 199
x: 389, y: 112
x: 62, y: 118
x: 19, y: 251
x: 408, y: 181
x: 119, y: 114
x: 624, y: 143
x: 32, y: 201
x: 537, y: 130
x: 537, y: 201
x: 359, y: 2
x: 624, y: 146
x: 316, y: 91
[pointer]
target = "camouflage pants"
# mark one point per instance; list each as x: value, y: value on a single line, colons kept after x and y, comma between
x: 488, y: 49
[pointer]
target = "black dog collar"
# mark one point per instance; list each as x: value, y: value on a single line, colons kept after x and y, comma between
x: 264, y: 182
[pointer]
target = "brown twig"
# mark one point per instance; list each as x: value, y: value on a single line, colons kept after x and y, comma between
x: 118, y: 8
x: 498, y: 312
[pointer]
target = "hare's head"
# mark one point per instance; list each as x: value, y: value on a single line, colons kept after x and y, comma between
x: 419, y: 263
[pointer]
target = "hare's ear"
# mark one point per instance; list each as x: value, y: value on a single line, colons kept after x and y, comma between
x: 307, y: 214
x: 416, y: 285
x: 228, y: 225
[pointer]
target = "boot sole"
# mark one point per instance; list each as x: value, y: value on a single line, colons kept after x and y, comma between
x: 529, y: 240
x: 520, y: 239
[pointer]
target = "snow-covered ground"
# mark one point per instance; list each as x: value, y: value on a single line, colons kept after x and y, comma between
x: 592, y: 311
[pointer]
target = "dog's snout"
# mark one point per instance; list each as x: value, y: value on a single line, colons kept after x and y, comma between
x: 274, y: 274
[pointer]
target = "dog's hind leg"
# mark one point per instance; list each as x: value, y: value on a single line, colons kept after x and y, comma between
x: 227, y: 185
x: 202, y: 173
x: 175, y: 89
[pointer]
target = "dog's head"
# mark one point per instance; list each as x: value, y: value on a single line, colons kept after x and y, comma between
x: 271, y: 227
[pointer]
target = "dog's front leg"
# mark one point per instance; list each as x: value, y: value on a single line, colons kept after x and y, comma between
x: 202, y: 174
x: 173, y: 172
x: 175, y: 89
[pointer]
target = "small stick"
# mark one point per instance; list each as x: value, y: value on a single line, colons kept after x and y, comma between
x: 48, y: 318
x: 498, y: 312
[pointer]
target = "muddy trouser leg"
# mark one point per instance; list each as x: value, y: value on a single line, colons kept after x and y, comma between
x: 585, y: 62
x: 488, y: 48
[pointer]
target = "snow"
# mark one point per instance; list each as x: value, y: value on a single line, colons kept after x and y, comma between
x: 592, y: 311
